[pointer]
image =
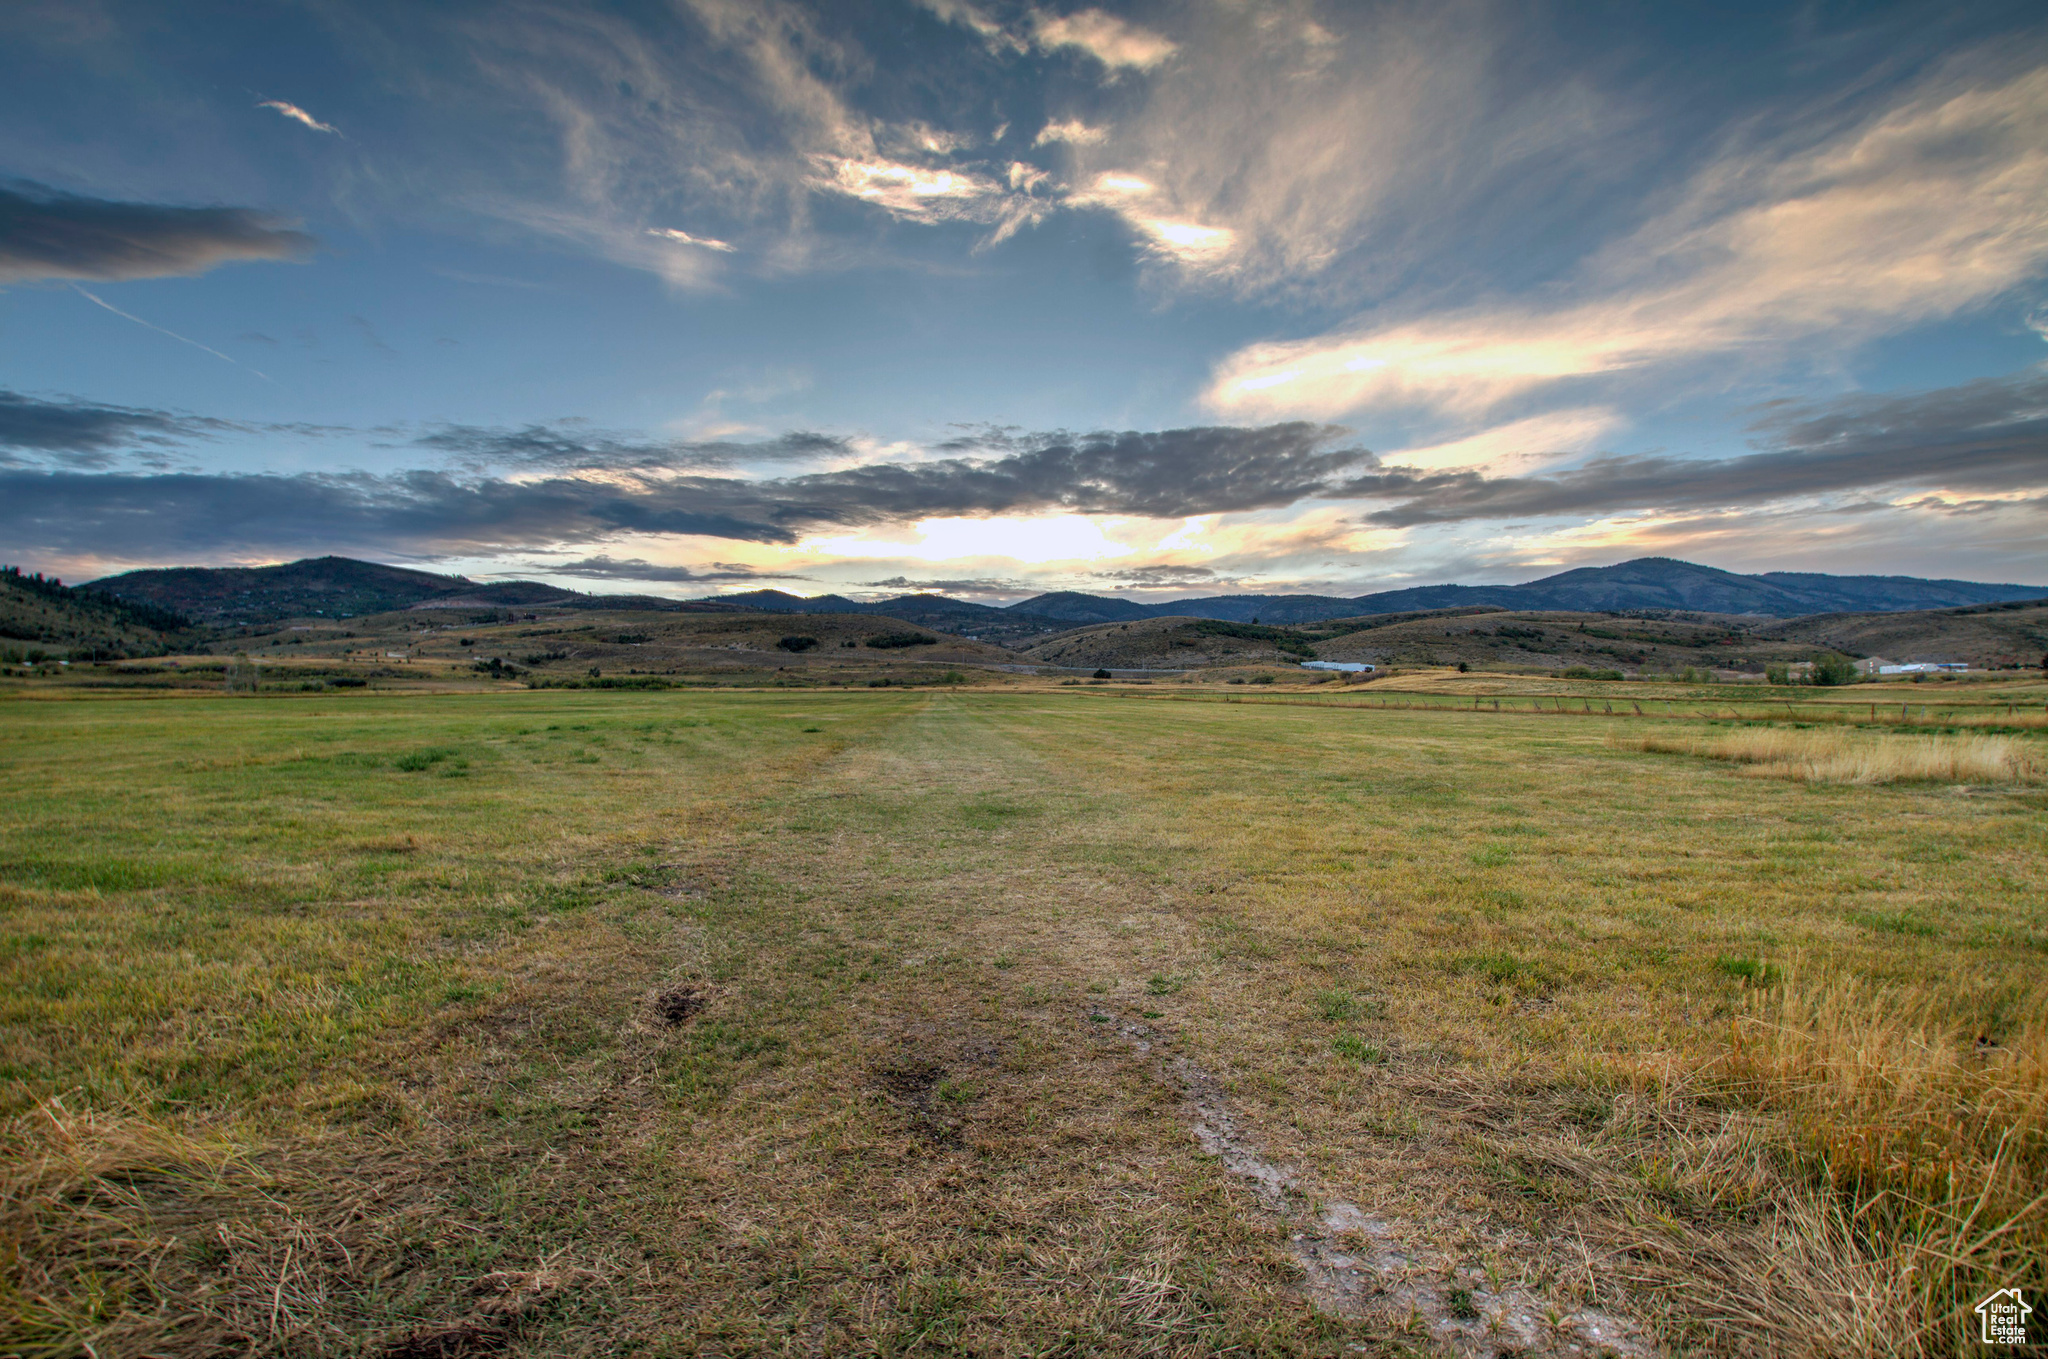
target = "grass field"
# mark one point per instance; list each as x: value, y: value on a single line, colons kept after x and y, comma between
x: 1009, y: 1021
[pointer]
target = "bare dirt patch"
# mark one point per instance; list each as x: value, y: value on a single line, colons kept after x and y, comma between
x: 677, y: 1005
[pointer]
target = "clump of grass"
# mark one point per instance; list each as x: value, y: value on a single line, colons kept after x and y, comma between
x: 1931, y: 1135
x: 1497, y: 965
x: 1817, y: 756
x: 1337, y: 1006
x: 415, y: 761
x: 1358, y: 1050
x: 1753, y: 970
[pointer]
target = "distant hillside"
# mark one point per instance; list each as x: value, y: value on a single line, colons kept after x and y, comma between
x: 1071, y: 606
x: 338, y: 587
x: 2014, y: 633
x: 76, y: 623
x: 1645, y: 583
x: 932, y: 611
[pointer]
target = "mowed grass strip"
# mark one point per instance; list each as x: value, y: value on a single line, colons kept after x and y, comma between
x: 344, y: 1019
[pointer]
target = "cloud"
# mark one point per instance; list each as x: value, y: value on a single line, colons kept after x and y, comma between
x: 1986, y: 436
x: 915, y: 191
x: 1160, y: 577
x: 977, y: 586
x: 685, y: 238
x: 105, y: 305
x: 602, y: 567
x: 572, y: 446
x: 1167, y: 474
x: 48, y: 234
x: 85, y: 433
x: 1518, y: 444
x: 975, y: 19
x: 298, y: 115
x: 1105, y: 37
x: 1151, y: 213
x: 1918, y: 213
x: 1072, y: 131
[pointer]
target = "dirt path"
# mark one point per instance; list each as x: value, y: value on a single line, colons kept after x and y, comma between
x: 1040, y: 1038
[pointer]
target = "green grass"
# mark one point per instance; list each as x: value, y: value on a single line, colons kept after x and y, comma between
x: 269, y: 959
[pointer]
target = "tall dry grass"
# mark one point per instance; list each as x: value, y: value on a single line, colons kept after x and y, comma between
x: 1931, y: 1135
x: 1854, y: 1172
x: 1851, y: 757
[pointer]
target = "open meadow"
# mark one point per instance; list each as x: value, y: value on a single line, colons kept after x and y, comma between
x: 1482, y: 1015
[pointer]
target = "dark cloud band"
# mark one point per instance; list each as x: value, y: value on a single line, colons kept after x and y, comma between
x: 86, y: 427
x: 1168, y: 474
x: 1990, y: 435
x: 569, y: 446
x: 47, y: 234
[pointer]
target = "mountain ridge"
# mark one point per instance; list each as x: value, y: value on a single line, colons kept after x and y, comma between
x: 343, y: 586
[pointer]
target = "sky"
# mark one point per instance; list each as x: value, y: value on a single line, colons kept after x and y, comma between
x: 1154, y: 299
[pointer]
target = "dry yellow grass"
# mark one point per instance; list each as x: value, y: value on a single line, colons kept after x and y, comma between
x: 360, y: 1029
x: 1815, y: 756
x: 1934, y: 1131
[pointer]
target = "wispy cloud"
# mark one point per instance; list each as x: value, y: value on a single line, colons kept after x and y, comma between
x: 685, y: 238
x: 603, y: 567
x: 299, y: 115
x: 46, y: 233
x: 1159, y: 577
x: 984, y: 585
x: 1108, y: 39
x: 573, y: 446
x: 99, y: 301
x: 1916, y: 214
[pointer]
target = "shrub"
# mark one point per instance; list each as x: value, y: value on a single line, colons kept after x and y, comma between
x: 1102, y: 674
x: 797, y: 643
x: 888, y: 640
x: 1832, y: 668
x: 349, y: 682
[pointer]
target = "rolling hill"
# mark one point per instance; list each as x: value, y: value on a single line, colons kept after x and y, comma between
x: 338, y: 587
x: 1645, y: 583
x: 47, y: 617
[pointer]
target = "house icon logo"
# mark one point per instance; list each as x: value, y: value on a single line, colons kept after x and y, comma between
x: 2004, y: 1315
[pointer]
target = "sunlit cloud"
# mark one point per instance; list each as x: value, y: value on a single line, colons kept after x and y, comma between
x: 1518, y: 445
x: 685, y: 238
x: 298, y: 115
x: 1139, y: 202
x: 1072, y: 131
x: 1105, y: 37
x: 1920, y: 213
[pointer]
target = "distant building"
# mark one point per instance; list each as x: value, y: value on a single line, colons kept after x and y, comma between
x: 1347, y: 667
x: 1923, y: 667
